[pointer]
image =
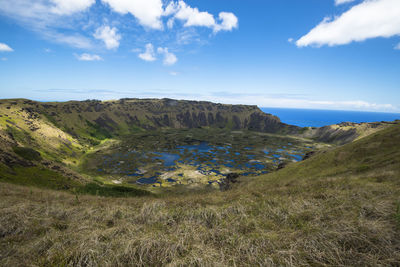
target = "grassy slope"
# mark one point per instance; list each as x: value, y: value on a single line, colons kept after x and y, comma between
x: 93, y: 120
x: 339, y: 208
x: 345, y: 132
x: 25, y: 133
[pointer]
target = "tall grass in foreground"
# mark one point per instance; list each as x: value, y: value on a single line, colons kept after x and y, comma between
x: 340, y: 221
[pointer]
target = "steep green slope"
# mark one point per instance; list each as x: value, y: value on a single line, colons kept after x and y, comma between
x: 376, y: 152
x: 99, y: 120
x: 344, y: 132
x: 339, y: 208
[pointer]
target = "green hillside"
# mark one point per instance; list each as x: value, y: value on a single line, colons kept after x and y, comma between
x: 341, y: 207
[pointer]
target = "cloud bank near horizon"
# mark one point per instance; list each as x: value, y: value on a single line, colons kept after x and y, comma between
x: 261, y: 100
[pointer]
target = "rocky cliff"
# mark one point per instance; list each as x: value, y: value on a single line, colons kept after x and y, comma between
x: 123, y: 116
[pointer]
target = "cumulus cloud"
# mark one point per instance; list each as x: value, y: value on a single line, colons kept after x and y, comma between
x: 148, y: 12
x: 88, y: 57
x: 192, y: 17
x: 60, y: 21
x: 109, y: 36
x: 169, y: 58
x: 369, y: 19
x: 228, y: 22
x: 5, y: 48
x: 149, y: 54
x: 340, y: 2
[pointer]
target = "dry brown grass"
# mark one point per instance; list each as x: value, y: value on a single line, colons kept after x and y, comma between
x: 347, y: 221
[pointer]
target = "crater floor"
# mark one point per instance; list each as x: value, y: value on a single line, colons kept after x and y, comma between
x: 194, y: 156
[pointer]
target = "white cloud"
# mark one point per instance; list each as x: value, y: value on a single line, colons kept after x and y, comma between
x: 68, y: 7
x: 148, y: 12
x: 171, y: 9
x: 88, y: 57
x: 340, y: 2
x: 187, y: 36
x: 5, y: 48
x: 228, y: 22
x: 60, y: 21
x: 149, y: 54
x: 397, y: 47
x: 4, y: 59
x: 169, y: 58
x: 193, y: 17
x: 369, y: 19
x: 42, y: 10
x: 290, y: 40
x: 289, y: 102
x: 174, y: 73
x: 109, y: 36
x: 43, y: 17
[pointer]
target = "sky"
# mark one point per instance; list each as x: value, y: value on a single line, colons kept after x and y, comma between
x: 317, y: 54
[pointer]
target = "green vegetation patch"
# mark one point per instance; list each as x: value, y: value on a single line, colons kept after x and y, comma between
x: 19, y: 135
x: 98, y: 132
x: 27, y: 153
x: 35, y: 176
x: 111, y: 190
x: 397, y: 214
x: 44, y: 178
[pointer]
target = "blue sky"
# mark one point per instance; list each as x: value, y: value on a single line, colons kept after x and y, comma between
x: 321, y: 54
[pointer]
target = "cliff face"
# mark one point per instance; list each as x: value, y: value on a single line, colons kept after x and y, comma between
x: 127, y: 115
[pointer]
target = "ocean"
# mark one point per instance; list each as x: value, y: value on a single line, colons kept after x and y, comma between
x: 319, y: 118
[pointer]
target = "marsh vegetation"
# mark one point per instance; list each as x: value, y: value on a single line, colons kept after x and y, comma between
x: 201, y: 156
